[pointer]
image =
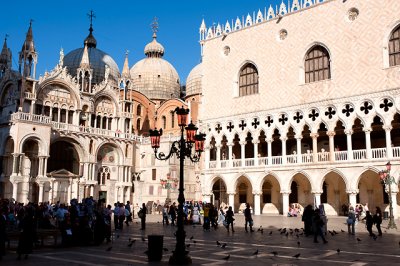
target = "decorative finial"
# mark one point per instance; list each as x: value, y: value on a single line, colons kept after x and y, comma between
x: 154, y: 27
x: 61, y: 60
x: 126, y: 52
x: 5, y: 38
x: 91, y: 16
x: 30, y: 22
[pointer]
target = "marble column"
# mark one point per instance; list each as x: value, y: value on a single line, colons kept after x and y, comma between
x: 368, y: 142
x: 91, y: 190
x: 352, y: 198
x: 298, y: 147
x: 218, y: 146
x: 257, y: 203
x: 15, y: 190
x: 331, y: 135
x: 283, y: 140
x: 242, y: 152
x: 229, y: 155
x: 231, y: 200
x: 269, y: 149
x: 314, y: 137
x: 348, y: 133
x: 41, y: 185
x: 285, y: 202
x: 317, y: 198
x: 389, y: 151
x: 255, y: 156
x: 207, y: 157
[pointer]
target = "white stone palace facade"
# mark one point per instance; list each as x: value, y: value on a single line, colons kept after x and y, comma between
x: 301, y: 104
x: 79, y: 130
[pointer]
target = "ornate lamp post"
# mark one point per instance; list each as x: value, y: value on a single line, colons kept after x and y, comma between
x: 182, y: 148
x: 387, y: 179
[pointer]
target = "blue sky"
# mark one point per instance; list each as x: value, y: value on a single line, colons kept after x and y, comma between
x: 119, y: 25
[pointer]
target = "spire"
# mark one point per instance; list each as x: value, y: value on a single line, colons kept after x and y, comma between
x: 154, y: 49
x: 90, y: 41
x: 28, y: 45
x: 125, y: 70
x: 154, y: 27
x: 5, y: 56
x: 28, y: 56
x: 85, y: 58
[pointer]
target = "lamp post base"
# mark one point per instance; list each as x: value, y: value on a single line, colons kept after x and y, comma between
x: 392, y: 224
x: 180, y: 259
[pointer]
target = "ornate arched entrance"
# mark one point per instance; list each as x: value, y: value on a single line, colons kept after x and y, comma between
x: 219, y: 193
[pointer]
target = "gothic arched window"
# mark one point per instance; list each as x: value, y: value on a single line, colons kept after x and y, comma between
x: 164, y: 122
x: 103, y: 175
x: 172, y: 119
x: 248, y: 80
x: 394, y: 47
x: 317, y: 64
x: 139, y: 110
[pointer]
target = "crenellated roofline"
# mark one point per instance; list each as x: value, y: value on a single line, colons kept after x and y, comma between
x: 270, y: 14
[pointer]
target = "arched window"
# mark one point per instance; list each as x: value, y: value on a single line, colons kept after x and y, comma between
x: 317, y: 65
x: 103, y: 175
x: 138, y: 125
x: 248, y: 80
x: 172, y: 119
x: 139, y: 110
x: 394, y: 47
x: 164, y: 122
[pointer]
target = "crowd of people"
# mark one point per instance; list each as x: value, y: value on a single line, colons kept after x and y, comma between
x: 90, y: 222
x: 81, y: 223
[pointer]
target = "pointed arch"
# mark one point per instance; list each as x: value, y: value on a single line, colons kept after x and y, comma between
x: 317, y: 64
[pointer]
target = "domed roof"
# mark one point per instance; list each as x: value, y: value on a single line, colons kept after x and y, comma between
x: 97, y: 60
x: 193, y: 81
x: 153, y: 76
x: 154, y: 49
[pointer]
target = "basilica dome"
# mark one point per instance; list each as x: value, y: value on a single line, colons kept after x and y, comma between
x: 97, y: 61
x: 153, y: 76
x: 193, y: 81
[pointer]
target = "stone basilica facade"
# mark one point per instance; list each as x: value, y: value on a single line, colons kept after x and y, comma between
x: 80, y: 130
x: 310, y: 114
x: 311, y: 109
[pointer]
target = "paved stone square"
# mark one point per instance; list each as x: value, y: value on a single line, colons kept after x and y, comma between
x: 240, y: 246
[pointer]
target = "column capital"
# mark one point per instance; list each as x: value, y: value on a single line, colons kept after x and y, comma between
x: 243, y: 142
x: 316, y: 192
x: 231, y: 193
x: 257, y: 141
x: 352, y: 192
x: 314, y: 135
x: 283, y: 138
x: 285, y: 192
x: 269, y: 140
x: 348, y: 131
x: 387, y: 128
x: 367, y: 130
x: 257, y: 193
x: 331, y: 133
x: 298, y: 136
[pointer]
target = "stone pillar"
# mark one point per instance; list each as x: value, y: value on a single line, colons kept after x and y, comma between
x: 269, y: 142
x: 348, y: 133
x: 207, y: 157
x: 389, y: 151
x: 257, y: 203
x: 298, y: 146
x: 283, y: 140
x: 59, y: 116
x: 255, y: 142
x: 45, y: 159
x: 285, y: 202
x: 91, y: 190
x: 116, y: 193
x: 242, y: 152
x: 331, y: 135
x: 317, y: 198
x: 314, y: 137
x: 231, y: 200
x: 94, y: 172
x: 218, y: 146
x: 15, y: 190
x: 352, y: 198
x: 229, y: 155
x: 69, y: 191
x: 41, y: 185
x: 368, y: 142
x: 32, y: 107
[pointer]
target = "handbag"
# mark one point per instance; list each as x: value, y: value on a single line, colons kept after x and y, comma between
x: 251, y: 223
x: 349, y: 221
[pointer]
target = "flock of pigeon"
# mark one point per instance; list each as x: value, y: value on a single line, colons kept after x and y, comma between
x: 282, y: 231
